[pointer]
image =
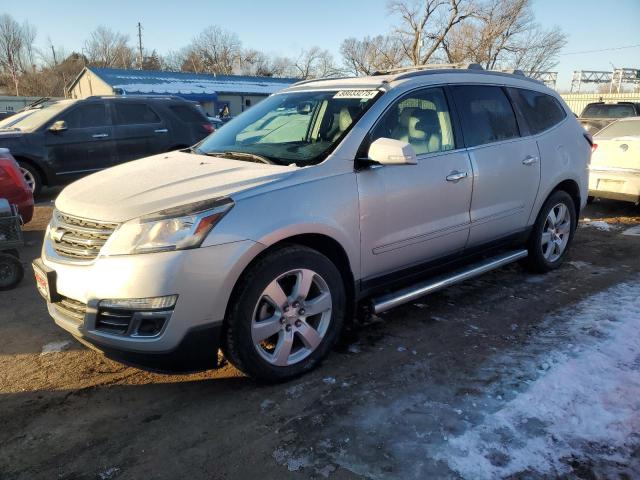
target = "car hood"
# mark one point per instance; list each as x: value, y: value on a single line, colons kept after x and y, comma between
x: 162, y: 181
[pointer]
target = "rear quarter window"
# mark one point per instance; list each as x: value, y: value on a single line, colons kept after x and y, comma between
x: 608, y: 111
x: 187, y: 114
x: 540, y: 111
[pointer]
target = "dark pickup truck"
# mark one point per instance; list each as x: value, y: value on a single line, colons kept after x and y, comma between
x: 598, y: 115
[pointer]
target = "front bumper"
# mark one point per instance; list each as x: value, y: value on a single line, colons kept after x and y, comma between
x: 203, y: 279
x: 615, y: 183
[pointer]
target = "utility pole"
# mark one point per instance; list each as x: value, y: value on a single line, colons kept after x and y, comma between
x: 141, y: 58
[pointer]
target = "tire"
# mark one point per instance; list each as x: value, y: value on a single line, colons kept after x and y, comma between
x: 545, y: 256
x: 268, y: 335
x: 32, y: 176
x: 11, y: 271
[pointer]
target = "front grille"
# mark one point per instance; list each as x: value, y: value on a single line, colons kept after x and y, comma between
x: 79, y: 238
x: 72, y: 309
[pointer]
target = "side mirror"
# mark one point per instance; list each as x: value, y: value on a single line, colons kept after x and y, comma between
x: 58, y: 126
x: 387, y: 151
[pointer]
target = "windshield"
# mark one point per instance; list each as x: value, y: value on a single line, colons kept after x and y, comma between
x: 608, y: 111
x: 630, y: 128
x: 300, y: 127
x: 39, y: 115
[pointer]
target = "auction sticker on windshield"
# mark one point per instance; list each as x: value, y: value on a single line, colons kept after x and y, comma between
x: 356, y: 94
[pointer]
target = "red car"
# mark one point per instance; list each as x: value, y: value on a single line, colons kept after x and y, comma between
x: 13, y: 186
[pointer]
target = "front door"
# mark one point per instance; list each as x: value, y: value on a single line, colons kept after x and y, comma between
x: 85, y: 146
x: 506, y: 165
x: 411, y: 214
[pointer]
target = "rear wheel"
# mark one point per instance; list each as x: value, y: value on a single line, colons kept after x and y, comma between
x: 287, y: 313
x: 552, y: 233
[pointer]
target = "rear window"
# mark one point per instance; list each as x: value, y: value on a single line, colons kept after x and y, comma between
x: 629, y: 128
x: 486, y: 114
x: 608, y: 111
x: 187, y: 114
x: 541, y: 111
x: 135, y: 113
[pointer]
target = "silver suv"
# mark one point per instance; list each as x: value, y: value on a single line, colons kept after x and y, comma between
x: 332, y: 195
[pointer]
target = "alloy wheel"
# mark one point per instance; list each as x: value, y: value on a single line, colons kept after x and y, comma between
x: 29, y: 178
x: 291, y: 317
x: 556, y: 232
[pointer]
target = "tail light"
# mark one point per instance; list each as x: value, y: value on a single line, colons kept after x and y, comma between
x: 208, y: 128
x: 594, y: 146
x: 10, y: 166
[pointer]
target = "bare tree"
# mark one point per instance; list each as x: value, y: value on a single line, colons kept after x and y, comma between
x: 504, y: 34
x: 106, y: 48
x: 315, y: 63
x: 218, y: 50
x: 371, y: 54
x: 11, y: 49
x: 425, y: 24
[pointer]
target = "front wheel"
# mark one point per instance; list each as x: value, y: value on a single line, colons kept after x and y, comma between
x: 11, y: 271
x: 552, y: 233
x: 287, y: 313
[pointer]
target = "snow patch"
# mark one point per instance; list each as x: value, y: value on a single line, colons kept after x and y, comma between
x: 598, y: 224
x: 633, y: 231
x: 54, y: 347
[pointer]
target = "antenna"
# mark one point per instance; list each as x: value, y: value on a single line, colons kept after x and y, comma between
x: 140, y: 45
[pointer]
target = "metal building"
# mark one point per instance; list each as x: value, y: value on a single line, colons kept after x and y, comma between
x: 213, y: 92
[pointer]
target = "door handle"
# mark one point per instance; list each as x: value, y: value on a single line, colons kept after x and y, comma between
x: 100, y: 135
x: 456, y: 176
x: 161, y: 130
x: 530, y: 160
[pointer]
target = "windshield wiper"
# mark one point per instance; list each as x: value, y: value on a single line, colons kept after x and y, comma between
x: 246, y: 156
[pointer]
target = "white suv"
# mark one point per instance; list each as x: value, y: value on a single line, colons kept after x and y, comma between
x: 264, y: 238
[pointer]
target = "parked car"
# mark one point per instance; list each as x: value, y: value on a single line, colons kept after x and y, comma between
x: 57, y: 141
x: 13, y: 187
x: 615, y: 163
x: 327, y: 197
x: 598, y: 115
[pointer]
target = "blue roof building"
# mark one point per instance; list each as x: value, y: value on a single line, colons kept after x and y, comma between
x: 213, y: 92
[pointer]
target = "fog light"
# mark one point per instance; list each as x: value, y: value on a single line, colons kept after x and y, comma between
x: 149, y: 303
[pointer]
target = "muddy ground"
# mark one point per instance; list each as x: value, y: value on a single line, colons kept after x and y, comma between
x: 390, y: 403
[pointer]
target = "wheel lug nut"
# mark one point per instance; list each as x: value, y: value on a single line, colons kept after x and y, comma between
x: 301, y: 311
x: 296, y: 304
x: 288, y: 328
x: 298, y: 323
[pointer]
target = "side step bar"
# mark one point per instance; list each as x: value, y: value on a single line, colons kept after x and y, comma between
x: 392, y: 300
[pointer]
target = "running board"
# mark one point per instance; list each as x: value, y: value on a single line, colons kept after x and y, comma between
x: 392, y: 300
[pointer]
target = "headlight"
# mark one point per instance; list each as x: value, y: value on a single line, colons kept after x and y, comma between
x: 176, y: 228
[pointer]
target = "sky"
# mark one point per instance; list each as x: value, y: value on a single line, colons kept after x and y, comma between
x: 284, y: 27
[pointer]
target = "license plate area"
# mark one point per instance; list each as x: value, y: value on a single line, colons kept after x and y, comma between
x: 45, y: 281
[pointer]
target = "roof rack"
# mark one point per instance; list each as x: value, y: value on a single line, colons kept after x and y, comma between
x: 310, y: 80
x: 430, y: 66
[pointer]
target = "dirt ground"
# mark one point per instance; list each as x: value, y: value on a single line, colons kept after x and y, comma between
x: 394, y: 401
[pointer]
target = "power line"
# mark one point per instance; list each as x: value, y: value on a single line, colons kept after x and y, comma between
x: 601, y: 50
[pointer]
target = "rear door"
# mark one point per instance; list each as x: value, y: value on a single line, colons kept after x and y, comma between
x: 506, y: 165
x: 87, y: 143
x: 138, y: 131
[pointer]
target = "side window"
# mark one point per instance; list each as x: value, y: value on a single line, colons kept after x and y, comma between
x: 420, y: 118
x: 541, y: 111
x: 188, y: 114
x: 135, y: 113
x: 86, y: 116
x: 486, y: 114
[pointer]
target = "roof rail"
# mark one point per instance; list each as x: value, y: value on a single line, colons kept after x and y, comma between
x: 309, y: 80
x: 430, y: 66
x: 513, y: 71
